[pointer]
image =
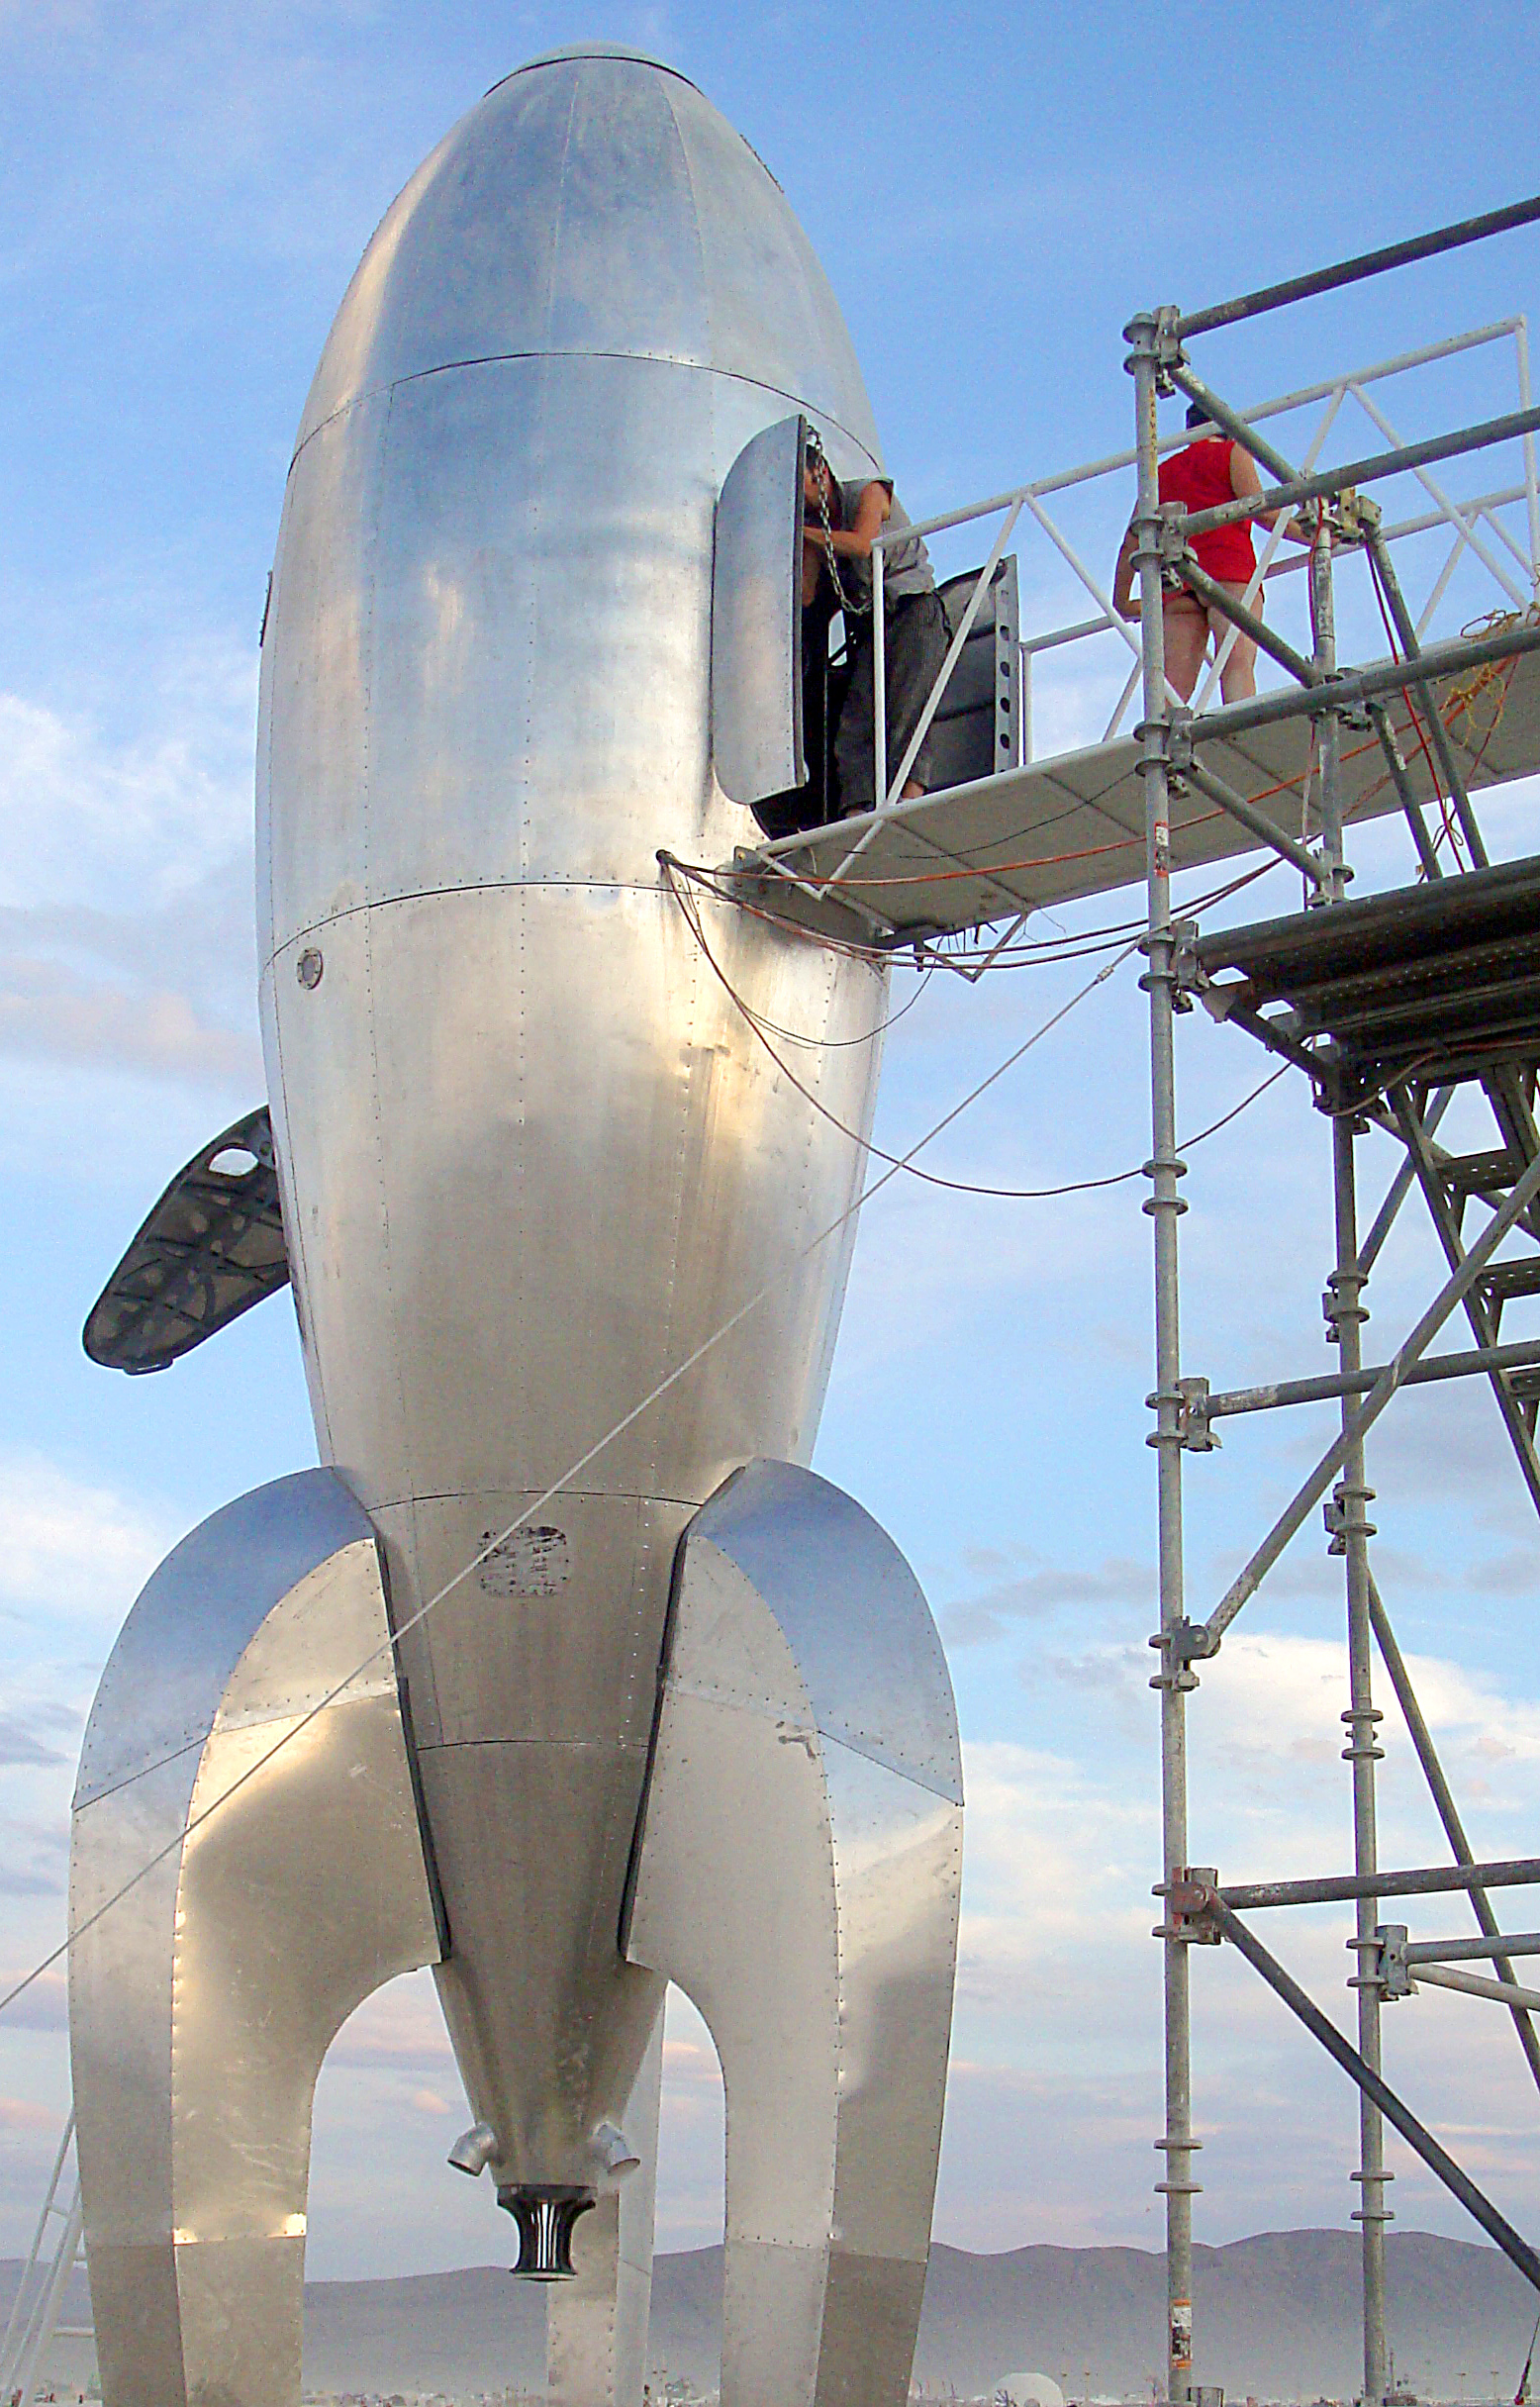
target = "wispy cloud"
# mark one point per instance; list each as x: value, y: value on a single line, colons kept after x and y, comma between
x: 19, y: 1743
x: 26, y: 2114
x: 125, y: 911
x: 84, y: 814
x: 72, y: 1545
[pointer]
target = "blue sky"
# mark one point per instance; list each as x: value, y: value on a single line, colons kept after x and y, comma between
x: 185, y: 192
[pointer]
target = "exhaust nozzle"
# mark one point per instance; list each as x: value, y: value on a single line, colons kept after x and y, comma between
x: 546, y: 2217
x: 475, y: 2149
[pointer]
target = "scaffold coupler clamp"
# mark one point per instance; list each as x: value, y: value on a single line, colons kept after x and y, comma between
x: 1344, y: 1517
x: 1352, y: 713
x: 1188, y: 971
x: 1180, y: 1645
x: 1190, y: 1901
x: 1198, y: 1433
x: 1175, y: 549
x: 1342, y: 1300
x: 1151, y: 333
x: 1171, y: 953
x: 1355, y: 515
x: 1362, y: 1722
x: 1387, y: 1970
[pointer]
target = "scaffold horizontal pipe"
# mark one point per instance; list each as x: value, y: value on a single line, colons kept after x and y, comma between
x: 1339, y: 692
x: 1477, y: 1984
x: 1467, y: 1950
x: 1396, y: 2112
x: 1366, y: 472
x: 1353, y: 271
x: 1066, y: 634
x: 1336, y: 1889
x: 1522, y: 1354
x: 1087, y: 472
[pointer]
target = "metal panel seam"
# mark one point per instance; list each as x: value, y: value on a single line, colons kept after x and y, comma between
x: 663, y: 360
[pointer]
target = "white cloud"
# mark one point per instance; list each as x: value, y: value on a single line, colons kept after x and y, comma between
x: 48, y: 1010
x: 71, y: 1545
x: 83, y: 816
x: 126, y: 895
x: 26, y: 2114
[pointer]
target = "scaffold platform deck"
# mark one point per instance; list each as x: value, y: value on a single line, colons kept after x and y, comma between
x: 1438, y: 982
x: 1058, y: 830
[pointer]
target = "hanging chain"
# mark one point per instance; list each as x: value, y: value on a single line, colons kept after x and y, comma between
x: 852, y: 606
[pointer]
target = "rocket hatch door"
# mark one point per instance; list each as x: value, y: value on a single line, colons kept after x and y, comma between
x: 756, y: 618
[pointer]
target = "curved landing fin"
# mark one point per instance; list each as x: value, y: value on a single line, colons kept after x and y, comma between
x: 248, y: 1863
x: 797, y: 1873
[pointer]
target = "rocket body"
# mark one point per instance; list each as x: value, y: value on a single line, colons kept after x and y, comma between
x: 531, y: 1152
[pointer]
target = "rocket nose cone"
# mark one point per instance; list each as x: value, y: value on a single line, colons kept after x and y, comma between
x: 593, y: 205
x: 594, y: 50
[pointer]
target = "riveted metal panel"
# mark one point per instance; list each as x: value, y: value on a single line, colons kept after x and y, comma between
x: 175, y: 1653
x: 900, y: 1708
x: 804, y: 1891
x: 597, y: 2325
x: 287, y: 1881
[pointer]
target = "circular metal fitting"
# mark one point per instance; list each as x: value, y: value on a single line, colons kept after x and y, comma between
x: 309, y: 967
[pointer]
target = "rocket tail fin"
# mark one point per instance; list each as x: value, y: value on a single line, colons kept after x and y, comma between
x: 797, y: 1873
x: 289, y: 1877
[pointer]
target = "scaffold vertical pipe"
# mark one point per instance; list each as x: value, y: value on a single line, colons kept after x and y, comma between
x: 1531, y: 482
x: 1352, y: 1497
x: 1164, y: 1206
x: 879, y: 682
x: 1362, y: 1753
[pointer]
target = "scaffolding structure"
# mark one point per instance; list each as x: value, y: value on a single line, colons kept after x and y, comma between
x: 1388, y: 1005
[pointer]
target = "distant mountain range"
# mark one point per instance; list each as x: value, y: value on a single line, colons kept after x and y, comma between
x: 1277, y: 2318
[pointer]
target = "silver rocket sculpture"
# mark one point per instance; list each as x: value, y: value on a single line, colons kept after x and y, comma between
x: 563, y: 1672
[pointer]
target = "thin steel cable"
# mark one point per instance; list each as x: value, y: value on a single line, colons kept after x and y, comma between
x: 964, y: 1187
x: 1447, y: 825
x: 1074, y: 945
x: 388, y: 1645
x: 842, y: 1043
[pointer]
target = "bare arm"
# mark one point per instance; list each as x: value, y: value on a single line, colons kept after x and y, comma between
x: 853, y: 543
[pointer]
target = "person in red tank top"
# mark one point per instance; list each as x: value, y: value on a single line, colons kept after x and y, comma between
x: 1209, y: 470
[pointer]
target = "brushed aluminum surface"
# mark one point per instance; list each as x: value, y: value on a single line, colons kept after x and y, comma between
x: 597, y: 2325
x: 799, y: 1875
x: 201, y: 2005
x: 531, y: 1153
x: 756, y: 618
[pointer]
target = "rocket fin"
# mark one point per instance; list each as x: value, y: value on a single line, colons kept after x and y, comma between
x: 212, y: 1247
x: 203, y: 2000
x: 797, y: 1873
x: 595, y: 2326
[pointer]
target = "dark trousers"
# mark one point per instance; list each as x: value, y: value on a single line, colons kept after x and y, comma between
x: 915, y: 644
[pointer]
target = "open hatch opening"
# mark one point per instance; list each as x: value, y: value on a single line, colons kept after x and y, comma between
x: 781, y: 672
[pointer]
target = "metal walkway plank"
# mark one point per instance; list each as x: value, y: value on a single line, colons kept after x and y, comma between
x: 1058, y: 830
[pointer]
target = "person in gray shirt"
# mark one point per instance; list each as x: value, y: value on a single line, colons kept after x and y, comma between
x: 841, y: 522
